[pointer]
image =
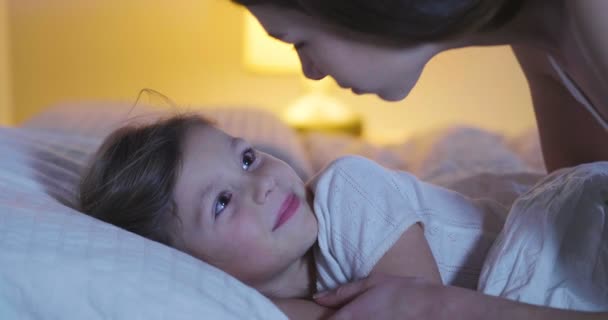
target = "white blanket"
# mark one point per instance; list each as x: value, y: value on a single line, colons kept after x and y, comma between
x: 553, y: 249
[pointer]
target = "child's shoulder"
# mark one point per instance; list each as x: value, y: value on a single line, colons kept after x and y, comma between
x: 352, y: 163
x: 353, y: 171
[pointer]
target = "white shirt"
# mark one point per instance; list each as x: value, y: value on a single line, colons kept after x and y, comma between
x: 363, y: 208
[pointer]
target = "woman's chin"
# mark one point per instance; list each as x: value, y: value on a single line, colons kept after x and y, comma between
x: 393, y: 96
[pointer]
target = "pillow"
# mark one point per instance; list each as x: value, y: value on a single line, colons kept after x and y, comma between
x: 446, y: 155
x: 474, y: 162
x: 324, y: 148
x: 97, y: 119
x: 527, y: 146
x: 57, y: 263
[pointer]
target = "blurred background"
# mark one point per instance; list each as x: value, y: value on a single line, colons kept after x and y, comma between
x: 195, y: 52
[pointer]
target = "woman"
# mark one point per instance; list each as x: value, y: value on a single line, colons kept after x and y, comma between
x: 381, y: 47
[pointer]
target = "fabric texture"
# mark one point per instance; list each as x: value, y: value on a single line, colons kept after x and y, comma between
x: 553, y: 250
x: 363, y: 209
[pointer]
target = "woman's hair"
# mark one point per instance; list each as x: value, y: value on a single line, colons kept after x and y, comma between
x: 131, y: 179
x: 403, y: 20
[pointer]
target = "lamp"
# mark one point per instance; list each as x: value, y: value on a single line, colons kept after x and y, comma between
x: 317, y: 109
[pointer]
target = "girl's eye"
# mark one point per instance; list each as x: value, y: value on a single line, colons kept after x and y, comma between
x: 221, y: 203
x: 248, y: 158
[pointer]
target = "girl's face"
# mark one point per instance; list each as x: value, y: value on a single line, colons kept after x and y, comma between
x: 242, y: 210
x: 353, y: 60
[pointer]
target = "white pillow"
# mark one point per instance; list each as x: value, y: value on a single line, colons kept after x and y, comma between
x: 446, y: 155
x: 56, y: 263
x: 527, y: 146
x: 323, y: 148
x: 97, y: 119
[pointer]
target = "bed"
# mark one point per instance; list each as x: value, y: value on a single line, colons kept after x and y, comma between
x: 56, y: 263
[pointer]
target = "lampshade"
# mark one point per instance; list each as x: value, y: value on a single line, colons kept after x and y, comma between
x: 264, y: 54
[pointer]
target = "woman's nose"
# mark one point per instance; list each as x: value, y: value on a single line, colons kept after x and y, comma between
x: 264, y: 187
x: 309, y: 69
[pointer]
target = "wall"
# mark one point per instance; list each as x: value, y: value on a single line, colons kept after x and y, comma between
x: 6, y: 107
x: 191, y: 51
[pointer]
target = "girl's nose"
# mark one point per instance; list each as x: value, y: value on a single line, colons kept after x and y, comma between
x: 265, y: 186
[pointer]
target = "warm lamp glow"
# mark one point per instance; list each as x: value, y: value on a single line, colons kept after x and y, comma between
x: 5, y: 76
x: 317, y: 109
x: 265, y: 54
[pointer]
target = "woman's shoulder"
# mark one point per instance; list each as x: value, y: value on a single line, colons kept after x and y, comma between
x: 588, y: 27
x: 585, y: 36
x: 590, y: 18
x: 582, y: 43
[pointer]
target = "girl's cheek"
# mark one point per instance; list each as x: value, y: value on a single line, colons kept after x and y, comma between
x: 244, y: 230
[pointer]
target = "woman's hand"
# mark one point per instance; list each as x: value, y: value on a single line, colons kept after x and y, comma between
x: 406, y: 298
x: 389, y: 297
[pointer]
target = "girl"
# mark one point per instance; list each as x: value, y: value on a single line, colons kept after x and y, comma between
x: 185, y: 183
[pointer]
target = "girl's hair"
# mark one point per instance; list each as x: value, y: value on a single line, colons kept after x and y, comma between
x: 406, y: 20
x: 131, y: 180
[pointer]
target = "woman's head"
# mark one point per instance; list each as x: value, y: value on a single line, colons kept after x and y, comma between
x: 185, y: 183
x: 375, y: 47
x: 405, y: 20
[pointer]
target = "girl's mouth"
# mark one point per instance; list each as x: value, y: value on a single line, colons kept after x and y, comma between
x: 290, y: 206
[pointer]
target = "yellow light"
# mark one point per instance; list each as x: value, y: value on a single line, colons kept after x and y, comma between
x: 317, y: 109
x: 264, y: 54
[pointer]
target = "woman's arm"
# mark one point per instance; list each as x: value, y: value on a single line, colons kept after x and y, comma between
x: 296, y: 309
x: 386, y: 297
x: 568, y: 132
x: 410, y: 256
x: 529, y: 312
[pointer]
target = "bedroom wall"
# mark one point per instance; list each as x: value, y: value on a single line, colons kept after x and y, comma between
x: 5, y: 74
x: 191, y: 51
